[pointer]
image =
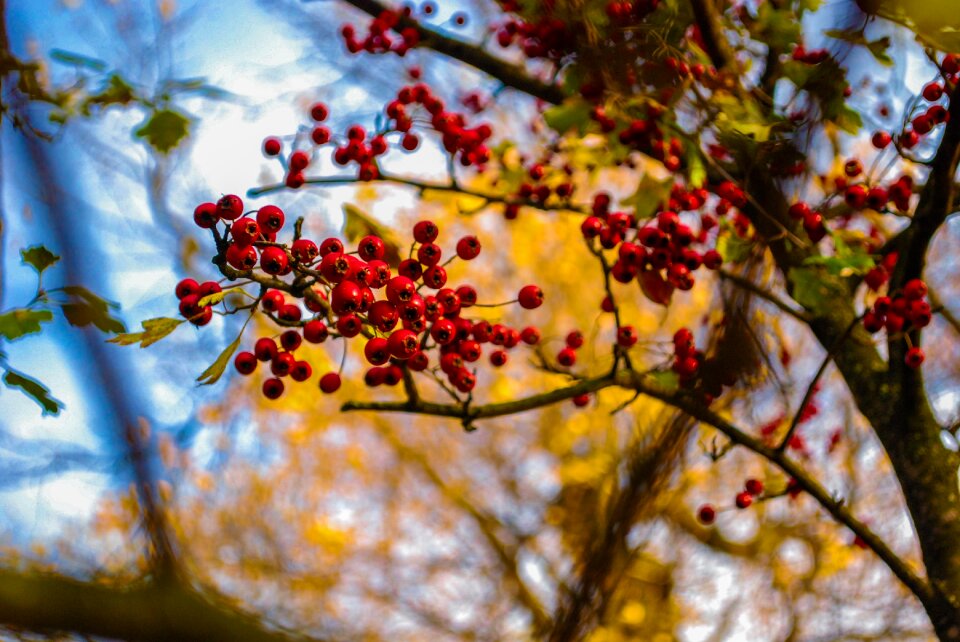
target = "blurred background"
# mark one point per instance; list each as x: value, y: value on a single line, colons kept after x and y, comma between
x: 359, y: 526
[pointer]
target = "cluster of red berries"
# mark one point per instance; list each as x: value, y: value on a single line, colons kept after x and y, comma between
x: 340, y: 287
x: 686, y: 359
x: 646, y: 136
x: 547, y: 37
x: 190, y: 293
x: 809, y: 57
x: 752, y: 488
x: 630, y: 11
x: 903, y: 312
x: 458, y: 138
x: 923, y: 123
x: 857, y: 197
x: 468, y: 143
x: 878, y: 275
x: 380, y: 37
x: 652, y: 249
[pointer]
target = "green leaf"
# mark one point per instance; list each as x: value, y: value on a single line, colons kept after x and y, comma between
x: 17, y: 323
x: 86, y: 308
x: 33, y: 389
x: 858, y: 37
x: 696, y: 172
x: 164, y: 130
x: 650, y: 194
x: 566, y: 116
x: 847, y: 260
x: 357, y: 224
x: 39, y: 257
x: 78, y: 60
x: 116, y: 92
x: 153, y: 331
x: 216, y: 369
x: 732, y: 247
x: 814, y: 288
x: 666, y: 379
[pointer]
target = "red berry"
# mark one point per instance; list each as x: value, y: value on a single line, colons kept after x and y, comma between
x: 932, y: 92
x: 914, y: 289
x: 319, y: 112
x: 290, y: 340
x: 245, y: 363
x: 377, y: 351
x: 272, y: 388
x: 498, y: 357
x: 304, y: 250
x: 425, y: 232
x: 567, y: 357
x: 245, y: 231
x: 270, y: 218
x: 530, y: 335
x: 187, y: 287
x: 914, y: 357
x: 290, y: 313
x: 403, y: 344
x: 206, y: 215
x: 530, y: 297
x: 349, y: 325
x: 301, y: 371
x: 581, y: 400
x: 330, y: 382
x: 371, y: 248
x: 274, y: 260
x: 744, y: 500
x: 575, y: 339
x: 320, y: 135
x: 315, y: 331
x: 881, y: 139
x: 468, y: 248
x: 754, y: 487
x: 707, y: 514
x: 272, y: 146
x: 298, y: 161
x: 272, y: 301
x: 230, y: 207
x: 241, y: 257
x: 626, y: 336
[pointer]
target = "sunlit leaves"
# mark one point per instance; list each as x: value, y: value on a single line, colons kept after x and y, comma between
x: 814, y: 289
x: 153, y: 330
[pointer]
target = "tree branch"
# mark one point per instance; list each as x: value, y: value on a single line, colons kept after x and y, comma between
x: 422, y: 187
x: 143, y: 613
x: 631, y: 380
x: 473, y: 55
